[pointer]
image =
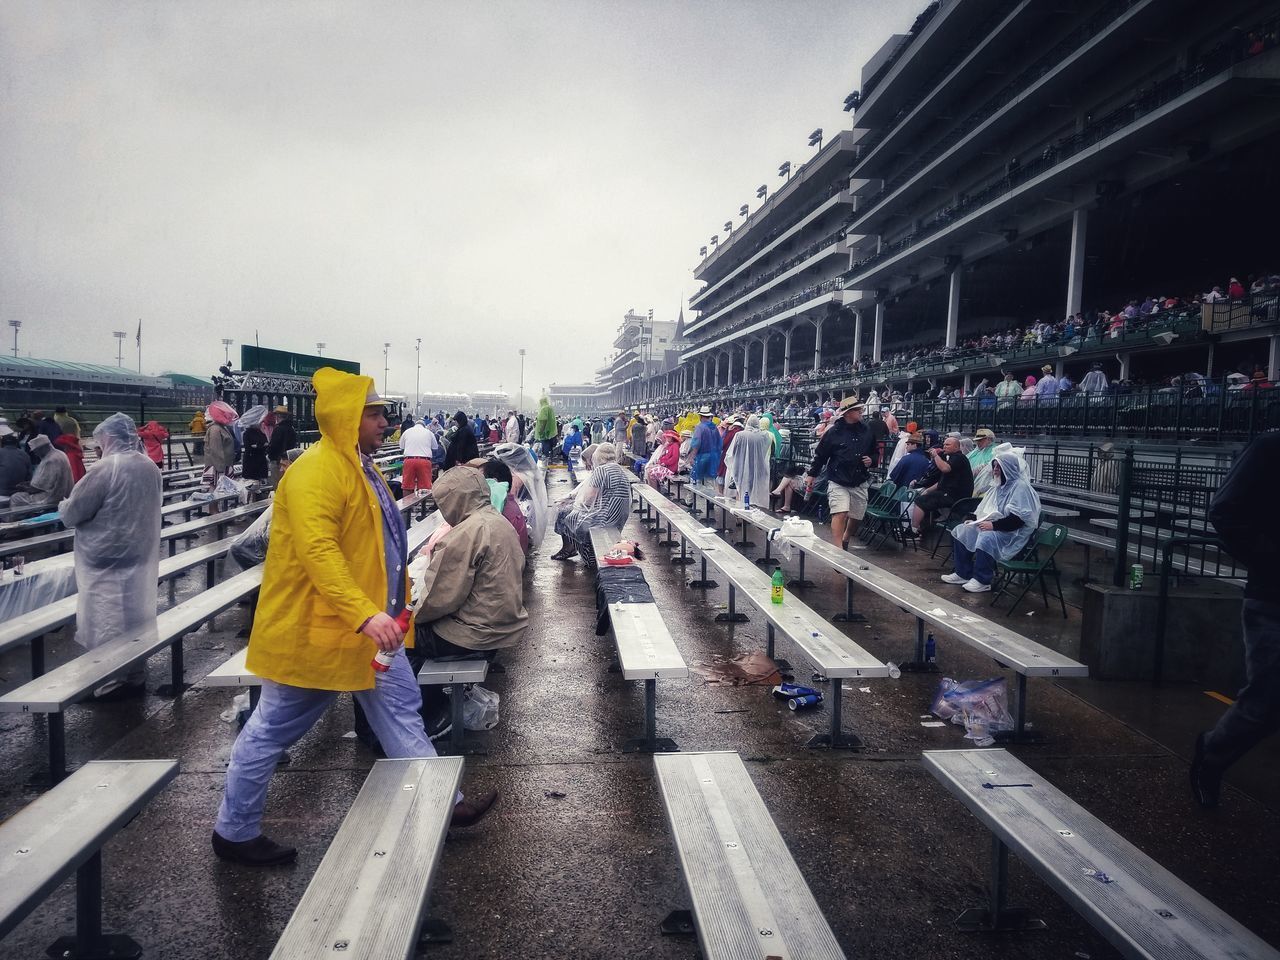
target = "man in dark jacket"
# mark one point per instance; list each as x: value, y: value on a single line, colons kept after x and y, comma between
x: 847, y: 451
x: 283, y: 439
x: 1251, y: 534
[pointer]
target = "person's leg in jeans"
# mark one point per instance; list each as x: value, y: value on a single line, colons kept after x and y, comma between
x: 282, y: 716
x: 1256, y: 713
x: 984, y: 567
x: 962, y: 559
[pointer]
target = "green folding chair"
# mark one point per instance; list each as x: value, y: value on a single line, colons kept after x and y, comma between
x: 955, y: 516
x: 880, y: 510
x: 1034, y: 564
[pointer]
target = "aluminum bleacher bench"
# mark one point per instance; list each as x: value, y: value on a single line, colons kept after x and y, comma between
x: 74, y: 681
x: 749, y: 898
x: 834, y: 654
x: 1138, y: 906
x: 33, y: 625
x: 368, y: 898
x: 1009, y: 649
x: 64, y: 831
x: 646, y: 651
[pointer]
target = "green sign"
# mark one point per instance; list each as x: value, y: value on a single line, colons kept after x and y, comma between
x: 281, y: 361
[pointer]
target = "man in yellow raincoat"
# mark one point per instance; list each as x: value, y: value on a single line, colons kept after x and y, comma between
x: 334, y: 581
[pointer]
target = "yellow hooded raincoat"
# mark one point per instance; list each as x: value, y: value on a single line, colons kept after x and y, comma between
x: 325, y: 572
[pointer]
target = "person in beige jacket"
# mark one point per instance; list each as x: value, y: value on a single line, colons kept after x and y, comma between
x: 474, y: 587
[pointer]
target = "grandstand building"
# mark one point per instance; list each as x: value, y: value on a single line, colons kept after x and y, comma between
x: 491, y: 402
x: 1014, y: 162
x: 646, y: 362
x: 575, y: 399
x: 443, y: 402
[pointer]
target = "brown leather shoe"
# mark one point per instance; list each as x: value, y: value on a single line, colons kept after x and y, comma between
x: 470, y: 812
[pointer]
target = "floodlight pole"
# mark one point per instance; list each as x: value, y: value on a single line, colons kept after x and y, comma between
x: 119, y: 335
x: 520, y: 403
x: 320, y: 345
x: 17, y: 325
x: 226, y: 349
x: 386, y: 365
x: 417, y: 383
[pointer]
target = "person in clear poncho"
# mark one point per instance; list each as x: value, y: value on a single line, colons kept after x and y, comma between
x: 747, y: 463
x: 602, y: 501
x: 254, y: 443
x: 115, y: 513
x: 999, y: 532
x: 528, y: 486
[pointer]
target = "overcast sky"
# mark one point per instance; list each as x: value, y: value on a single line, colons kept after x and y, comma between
x: 483, y: 175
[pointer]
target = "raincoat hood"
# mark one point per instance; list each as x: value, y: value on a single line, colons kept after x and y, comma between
x: 117, y: 434
x: 459, y: 494
x: 340, y: 405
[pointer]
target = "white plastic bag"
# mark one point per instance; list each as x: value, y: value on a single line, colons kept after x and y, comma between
x: 792, y: 529
x: 239, y: 705
x: 227, y: 486
x: 479, y: 708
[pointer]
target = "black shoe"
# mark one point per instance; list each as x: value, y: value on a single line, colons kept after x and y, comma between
x: 438, y: 723
x: 259, y: 852
x: 470, y: 812
x: 1206, y: 782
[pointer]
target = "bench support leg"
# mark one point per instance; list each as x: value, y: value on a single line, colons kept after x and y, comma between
x: 768, y: 560
x: 919, y: 664
x: 703, y: 583
x: 37, y: 657
x: 670, y: 541
x: 799, y: 581
x: 732, y: 616
x: 1020, y: 733
x: 57, y: 747
x: 997, y: 917
x: 836, y: 739
x: 783, y: 665
x: 679, y: 923
x: 458, y: 745
x: 684, y: 553
x: 850, y: 615
x: 177, y: 670
x: 650, y: 742
x: 90, y: 943
x: 744, y: 543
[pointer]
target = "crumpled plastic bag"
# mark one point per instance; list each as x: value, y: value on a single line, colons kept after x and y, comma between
x: 745, y: 669
x: 792, y: 529
x: 250, y: 548
x: 980, y: 706
x: 227, y: 486
x: 479, y: 708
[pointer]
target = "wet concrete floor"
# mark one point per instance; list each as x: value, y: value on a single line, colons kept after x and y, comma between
x: 890, y: 857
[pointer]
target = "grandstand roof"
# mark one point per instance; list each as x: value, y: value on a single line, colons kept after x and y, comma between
x: 35, y: 366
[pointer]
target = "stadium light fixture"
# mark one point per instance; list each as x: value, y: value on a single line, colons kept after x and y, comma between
x: 702, y: 251
x: 1067, y: 350
x: 320, y: 345
x: 784, y: 169
x: 728, y: 227
x: 762, y: 191
x: 226, y: 350
x: 742, y: 211
x: 1164, y: 339
x: 950, y: 367
x: 815, y: 138
x: 118, y: 334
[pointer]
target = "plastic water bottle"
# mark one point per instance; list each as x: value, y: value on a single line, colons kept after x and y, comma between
x: 776, y: 590
x: 930, y: 650
x: 746, y: 501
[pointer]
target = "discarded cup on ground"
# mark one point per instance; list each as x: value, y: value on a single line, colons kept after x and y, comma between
x: 894, y: 672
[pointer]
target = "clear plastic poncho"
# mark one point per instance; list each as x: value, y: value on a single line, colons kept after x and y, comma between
x: 532, y: 492
x: 252, y: 417
x: 115, y: 512
x: 1014, y: 496
x: 747, y: 463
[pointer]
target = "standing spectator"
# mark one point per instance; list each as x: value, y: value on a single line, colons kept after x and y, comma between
x: 847, y: 451
x: 1235, y: 290
x: 419, y: 447
x: 704, y: 449
x: 1095, y: 381
x: 51, y: 482
x: 545, y: 429
x: 115, y: 513
x: 511, y: 433
x: 44, y: 424
x: 254, y: 445
x: 1008, y: 390
x: 749, y: 461
x: 153, y: 437
x: 284, y: 437
x: 1047, y: 388
x: 197, y: 428
x: 219, y: 443
x: 462, y: 444
x: 333, y: 582
x: 66, y: 422
x: 984, y: 448
x: 1251, y: 534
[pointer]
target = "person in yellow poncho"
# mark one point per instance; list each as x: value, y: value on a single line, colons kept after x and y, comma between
x: 334, y: 580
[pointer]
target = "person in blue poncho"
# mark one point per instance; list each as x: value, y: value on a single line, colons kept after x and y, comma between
x: 572, y: 441
x: 705, y: 449
x: 1001, y: 532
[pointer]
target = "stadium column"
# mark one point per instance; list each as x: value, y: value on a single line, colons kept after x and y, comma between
x: 1124, y: 365
x: 1075, y: 269
x: 953, y: 309
x: 877, y: 339
x: 786, y: 353
x: 817, y: 344
x: 764, y: 356
x: 1273, y: 359
x: 857, y: 335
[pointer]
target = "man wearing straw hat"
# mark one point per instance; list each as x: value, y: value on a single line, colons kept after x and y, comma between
x: 847, y: 451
